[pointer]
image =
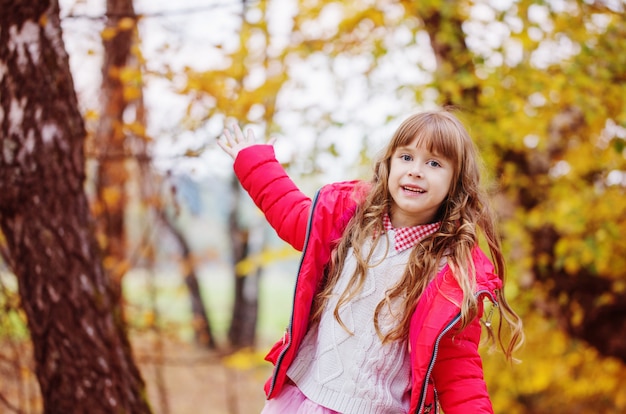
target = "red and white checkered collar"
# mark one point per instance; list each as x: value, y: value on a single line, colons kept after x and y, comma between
x: 407, y: 237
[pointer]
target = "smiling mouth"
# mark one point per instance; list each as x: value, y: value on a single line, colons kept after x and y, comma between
x: 415, y: 190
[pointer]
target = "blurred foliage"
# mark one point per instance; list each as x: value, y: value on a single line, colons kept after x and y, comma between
x: 556, y: 374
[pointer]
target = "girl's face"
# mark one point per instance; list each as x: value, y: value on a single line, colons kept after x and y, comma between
x: 419, y: 181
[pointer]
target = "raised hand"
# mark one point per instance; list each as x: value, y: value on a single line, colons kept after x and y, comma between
x: 235, y: 140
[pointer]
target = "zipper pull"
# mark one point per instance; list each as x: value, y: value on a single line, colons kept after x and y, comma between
x: 489, y: 315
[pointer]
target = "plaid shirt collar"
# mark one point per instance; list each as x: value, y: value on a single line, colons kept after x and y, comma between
x: 407, y: 237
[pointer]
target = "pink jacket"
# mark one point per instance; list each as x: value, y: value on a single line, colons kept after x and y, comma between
x: 446, y: 366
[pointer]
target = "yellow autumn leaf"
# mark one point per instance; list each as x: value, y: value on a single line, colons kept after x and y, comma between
x: 245, y: 359
x: 126, y: 23
x: 149, y: 317
x: 132, y: 93
x: 111, y: 196
x: 91, y: 115
x: 129, y: 74
x: 138, y: 129
x: 252, y: 262
x: 108, y: 33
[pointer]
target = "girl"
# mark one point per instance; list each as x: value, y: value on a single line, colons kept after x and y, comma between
x: 390, y: 288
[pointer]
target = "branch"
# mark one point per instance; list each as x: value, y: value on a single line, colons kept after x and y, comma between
x: 155, y: 14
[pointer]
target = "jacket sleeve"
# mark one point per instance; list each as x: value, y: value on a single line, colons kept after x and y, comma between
x: 458, y: 373
x: 285, y: 207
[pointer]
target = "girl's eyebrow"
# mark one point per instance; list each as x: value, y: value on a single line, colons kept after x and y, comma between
x: 410, y: 148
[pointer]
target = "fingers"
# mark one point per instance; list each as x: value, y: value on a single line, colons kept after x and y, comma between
x: 224, y: 146
x: 232, y: 138
x: 237, y: 137
x: 235, y: 140
x: 250, y: 135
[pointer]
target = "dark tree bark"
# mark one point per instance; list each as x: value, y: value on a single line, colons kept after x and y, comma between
x: 110, y: 140
x: 242, y: 331
x: 82, y: 355
x: 201, y: 322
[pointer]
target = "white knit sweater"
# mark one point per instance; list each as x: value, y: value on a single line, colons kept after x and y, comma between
x: 356, y: 373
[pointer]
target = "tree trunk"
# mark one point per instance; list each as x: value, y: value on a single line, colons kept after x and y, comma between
x: 82, y: 355
x: 110, y: 139
x: 242, y: 331
x: 444, y: 26
x: 201, y: 322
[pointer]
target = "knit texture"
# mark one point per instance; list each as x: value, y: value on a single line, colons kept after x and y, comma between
x: 356, y: 373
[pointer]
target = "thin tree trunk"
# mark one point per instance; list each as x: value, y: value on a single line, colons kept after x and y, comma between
x: 83, y: 359
x: 444, y: 26
x: 110, y: 139
x: 201, y: 322
x: 242, y: 331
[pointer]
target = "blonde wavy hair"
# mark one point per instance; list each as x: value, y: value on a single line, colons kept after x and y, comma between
x: 462, y: 214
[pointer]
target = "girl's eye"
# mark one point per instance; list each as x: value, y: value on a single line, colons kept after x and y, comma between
x: 433, y: 163
x: 406, y: 157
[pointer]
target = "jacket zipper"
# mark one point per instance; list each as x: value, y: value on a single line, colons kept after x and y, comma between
x: 445, y: 330
x: 289, y: 326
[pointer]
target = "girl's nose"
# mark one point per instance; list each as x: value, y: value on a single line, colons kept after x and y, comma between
x: 416, y: 171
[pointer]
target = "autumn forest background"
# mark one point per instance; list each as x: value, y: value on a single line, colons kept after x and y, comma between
x: 136, y: 277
